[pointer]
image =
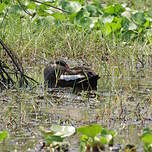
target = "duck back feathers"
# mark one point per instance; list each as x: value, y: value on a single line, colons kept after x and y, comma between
x: 81, y: 79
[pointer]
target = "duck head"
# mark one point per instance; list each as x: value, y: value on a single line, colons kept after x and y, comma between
x: 53, y: 72
x: 62, y: 63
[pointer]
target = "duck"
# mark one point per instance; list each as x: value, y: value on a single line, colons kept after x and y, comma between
x: 61, y: 75
x: 53, y: 71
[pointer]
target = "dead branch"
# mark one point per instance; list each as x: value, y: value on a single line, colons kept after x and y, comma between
x: 6, y: 77
x: 57, y: 8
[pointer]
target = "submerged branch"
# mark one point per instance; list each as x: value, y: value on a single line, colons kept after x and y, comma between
x: 19, y: 71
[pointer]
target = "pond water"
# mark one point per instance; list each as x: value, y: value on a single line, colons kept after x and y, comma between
x: 120, y: 103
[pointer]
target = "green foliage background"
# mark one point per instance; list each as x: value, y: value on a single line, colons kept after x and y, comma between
x: 110, y: 20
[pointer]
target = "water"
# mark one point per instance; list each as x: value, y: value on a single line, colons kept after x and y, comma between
x: 123, y: 104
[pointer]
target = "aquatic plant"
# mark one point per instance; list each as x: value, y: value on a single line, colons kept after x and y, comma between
x: 56, y: 135
x: 146, y: 138
x: 3, y: 135
x: 94, y: 137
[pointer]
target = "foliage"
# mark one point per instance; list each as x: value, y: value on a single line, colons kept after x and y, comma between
x: 55, y: 136
x: 146, y: 138
x: 115, y: 20
x: 3, y: 135
x: 95, y: 137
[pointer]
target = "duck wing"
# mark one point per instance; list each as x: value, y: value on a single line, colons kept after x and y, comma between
x: 87, y: 72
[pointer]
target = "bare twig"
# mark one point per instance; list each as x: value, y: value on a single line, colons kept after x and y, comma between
x: 2, y: 70
x: 13, y: 57
x: 18, y: 68
x: 57, y: 8
x: 25, y: 10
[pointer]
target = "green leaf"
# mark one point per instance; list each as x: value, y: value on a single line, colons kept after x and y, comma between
x: 103, y: 140
x: 7, y: 1
x: 52, y: 138
x: 42, y: 10
x: 112, y: 132
x: 31, y: 5
x: 85, y: 22
x: 107, y: 136
x: 59, y: 16
x: 139, y: 18
x: 106, y: 29
x: 147, y: 24
x: 56, y: 130
x: 2, y: 7
x: 57, y: 133
x: 125, y: 23
x: 90, y: 131
x: 147, y: 137
x: 80, y: 1
x: 109, y: 10
x: 92, y: 10
x: 63, y: 131
x: 115, y: 26
x: 116, y: 9
x: 82, y: 13
x: 3, y: 135
x: 70, y: 6
x: 14, y: 9
x: 84, y: 138
x: 82, y: 18
x: 75, y: 7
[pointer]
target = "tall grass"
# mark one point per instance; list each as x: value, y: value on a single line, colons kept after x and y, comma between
x: 37, y: 42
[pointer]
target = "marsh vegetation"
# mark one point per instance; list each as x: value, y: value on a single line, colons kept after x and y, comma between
x: 117, y: 46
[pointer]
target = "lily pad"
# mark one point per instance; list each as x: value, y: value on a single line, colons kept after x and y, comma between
x: 63, y: 131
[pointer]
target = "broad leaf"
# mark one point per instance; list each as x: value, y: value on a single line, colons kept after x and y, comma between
x: 2, y: 7
x: 31, y: 6
x: 3, y: 135
x: 90, y: 131
x: 63, y: 131
x: 116, y: 9
x: 147, y: 137
x: 92, y: 10
x: 139, y: 18
x: 50, y: 139
x: 70, y: 6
